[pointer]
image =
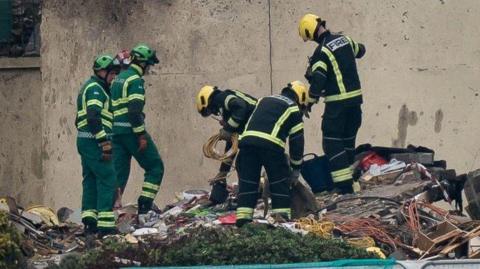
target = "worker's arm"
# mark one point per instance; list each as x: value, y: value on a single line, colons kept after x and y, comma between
x: 227, y: 164
x: 318, y: 75
x: 296, y: 141
x: 238, y: 111
x: 136, y: 102
x: 358, y: 48
x: 94, y: 98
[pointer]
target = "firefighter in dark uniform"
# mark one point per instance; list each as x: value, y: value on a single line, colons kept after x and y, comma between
x: 235, y: 107
x: 332, y: 74
x: 262, y: 144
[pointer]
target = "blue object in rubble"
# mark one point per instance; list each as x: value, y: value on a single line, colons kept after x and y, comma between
x: 316, y: 173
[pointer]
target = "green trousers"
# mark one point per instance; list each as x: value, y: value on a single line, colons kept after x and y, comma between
x: 125, y: 146
x: 98, y: 186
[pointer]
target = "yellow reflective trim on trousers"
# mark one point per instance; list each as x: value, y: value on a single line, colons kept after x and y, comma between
x: 106, y: 214
x: 120, y: 112
x: 107, y: 123
x: 245, y: 98
x: 94, y: 102
x: 244, y: 213
x: 151, y: 186
x: 233, y: 123
x: 342, y: 172
x: 339, y: 97
x: 227, y: 100
x: 107, y: 114
x: 266, y: 136
x: 295, y: 162
x: 119, y: 101
x: 282, y: 119
x: 82, y: 123
x: 296, y: 128
x: 100, y: 134
x: 126, y: 84
x: 136, y: 96
x: 318, y: 64
x: 107, y: 224
x: 336, y: 70
x: 148, y: 194
x: 341, y: 178
x: 287, y: 211
x: 89, y: 214
x: 139, y: 129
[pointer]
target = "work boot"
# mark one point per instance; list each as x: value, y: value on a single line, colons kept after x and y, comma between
x: 144, y: 205
x: 240, y: 222
x: 104, y: 232
x: 344, y: 187
x: 89, y: 227
x: 219, y: 193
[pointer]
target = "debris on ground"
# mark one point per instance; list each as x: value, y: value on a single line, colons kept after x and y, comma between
x: 394, y: 215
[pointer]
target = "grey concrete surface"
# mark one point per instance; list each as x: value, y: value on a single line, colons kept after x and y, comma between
x: 21, y: 162
x: 420, y: 74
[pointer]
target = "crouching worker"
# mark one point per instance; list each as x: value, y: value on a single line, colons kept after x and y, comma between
x: 235, y: 108
x: 94, y: 124
x: 262, y: 144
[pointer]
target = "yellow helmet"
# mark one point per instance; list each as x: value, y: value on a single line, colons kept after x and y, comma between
x: 300, y: 90
x: 203, y: 97
x: 307, y: 26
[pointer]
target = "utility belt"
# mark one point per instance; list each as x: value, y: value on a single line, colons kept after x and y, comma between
x: 88, y: 135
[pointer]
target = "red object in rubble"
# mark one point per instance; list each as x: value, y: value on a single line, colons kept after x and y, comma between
x: 228, y: 219
x: 372, y: 158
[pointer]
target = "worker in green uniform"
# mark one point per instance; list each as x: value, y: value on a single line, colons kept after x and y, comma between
x: 235, y: 108
x: 332, y: 74
x: 130, y: 137
x: 94, y: 124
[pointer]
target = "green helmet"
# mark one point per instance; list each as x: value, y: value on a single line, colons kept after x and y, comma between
x: 103, y: 61
x: 144, y: 53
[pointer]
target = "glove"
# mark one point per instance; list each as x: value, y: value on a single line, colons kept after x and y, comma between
x: 106, y: 147
x: 294, y: 175
x: 310, y: 102
x: 221, y: 176
x: 308, y: 73
x: 142, y: 143
x: 225, y: 135
x: 219, y: 193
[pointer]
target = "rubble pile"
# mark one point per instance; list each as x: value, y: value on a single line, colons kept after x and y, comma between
x: 395, y: 215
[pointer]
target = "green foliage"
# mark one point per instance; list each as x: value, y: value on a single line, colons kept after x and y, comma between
x: 253, y: 244
x: 11, y: 255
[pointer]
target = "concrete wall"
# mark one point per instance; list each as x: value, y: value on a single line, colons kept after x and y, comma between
x: 419, y: 75
x: 21, y: 169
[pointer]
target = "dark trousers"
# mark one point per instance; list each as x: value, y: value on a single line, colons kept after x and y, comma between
x: 250, y: 161
x: 340, y: 126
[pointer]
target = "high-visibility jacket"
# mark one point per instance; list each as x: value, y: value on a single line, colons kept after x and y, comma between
x: 332, y: 72
x: 128, y: 94
x: 93, y: 97
x: 235, y: 108
x: 275, y: 119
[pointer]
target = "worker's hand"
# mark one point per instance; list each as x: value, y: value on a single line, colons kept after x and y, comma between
x: 142, y: 143
x: 225, y: 135
x: 221, y: 176
x: 294, y: 175
x: 106, y: 147
x: 308, y: 73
